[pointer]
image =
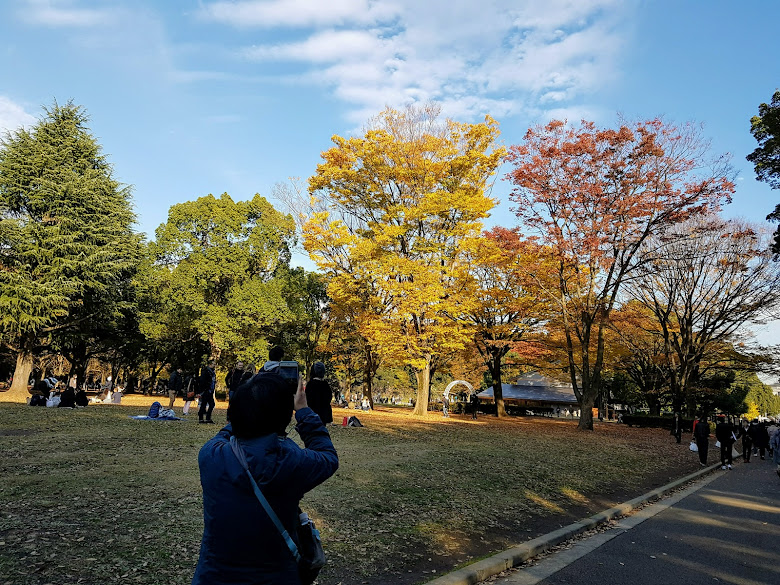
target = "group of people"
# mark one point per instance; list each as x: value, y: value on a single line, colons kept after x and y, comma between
x: 757, y: 438
x: 201, y: 387
x: 471, y: 406
x: 53, y: 393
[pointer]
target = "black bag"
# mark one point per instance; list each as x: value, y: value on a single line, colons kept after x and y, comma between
x: 311, y: 551
x: 354, y: 422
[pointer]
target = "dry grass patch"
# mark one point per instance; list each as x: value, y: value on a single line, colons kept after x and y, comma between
x: 93, y: 497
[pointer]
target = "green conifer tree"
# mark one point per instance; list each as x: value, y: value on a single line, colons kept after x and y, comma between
x: 66, y: 237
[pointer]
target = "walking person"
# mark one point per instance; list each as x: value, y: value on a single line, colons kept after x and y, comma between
x: 474, y: 405
x: 701, y: 434
x: 763, y: 439
x: 190, y: 392
x: 760, y: 437
x: 206, y: 385
x: 724, y: 432
x: 445, y: 405
x: 677, y: 427
x: 774, y: 444
x: 175, y: 385
x: 747, y: 441
x: 318, y: 393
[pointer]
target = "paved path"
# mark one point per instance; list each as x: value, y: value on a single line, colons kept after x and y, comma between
x: 724, y: 529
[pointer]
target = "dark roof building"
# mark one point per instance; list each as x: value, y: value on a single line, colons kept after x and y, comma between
x: 535, y: 390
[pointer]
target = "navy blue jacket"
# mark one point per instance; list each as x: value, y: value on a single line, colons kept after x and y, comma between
x: 240, y: 544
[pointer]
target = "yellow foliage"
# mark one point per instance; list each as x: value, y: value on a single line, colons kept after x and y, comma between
x: 406, y: 202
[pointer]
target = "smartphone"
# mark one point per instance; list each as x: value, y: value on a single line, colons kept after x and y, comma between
x: 289, y: 370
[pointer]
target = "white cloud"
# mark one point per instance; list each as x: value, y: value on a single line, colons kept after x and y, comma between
x: 13, y: 116
x: 325, y: 47
x: 295, y: 13
x: 496, y: 56
x: 64, y: 13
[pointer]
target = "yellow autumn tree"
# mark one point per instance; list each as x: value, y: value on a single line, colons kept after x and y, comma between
x: 403, y: 204
x: 511, y: 306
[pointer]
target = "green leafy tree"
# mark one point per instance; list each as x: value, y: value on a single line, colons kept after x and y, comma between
x: 765, y: 128
x: 66, y: 236
x: 759, y: 398
x: 218, y: 261
x: 306, y: 294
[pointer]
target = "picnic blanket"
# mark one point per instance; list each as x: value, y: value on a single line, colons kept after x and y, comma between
x: 157, y: 412
x: 147, y: 417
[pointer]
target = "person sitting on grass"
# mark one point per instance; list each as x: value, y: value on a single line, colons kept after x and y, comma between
x: 240, y: 542
x: 68, y: 398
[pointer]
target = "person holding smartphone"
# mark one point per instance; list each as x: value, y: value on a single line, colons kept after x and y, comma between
x: 240, y: 543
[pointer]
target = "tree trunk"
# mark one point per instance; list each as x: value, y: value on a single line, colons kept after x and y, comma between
x: 586, y: 414
x: 654, y: 405
x: 368, y: 378
x: 423, y: 386
x: 498, y: 390
x: 18, y: 391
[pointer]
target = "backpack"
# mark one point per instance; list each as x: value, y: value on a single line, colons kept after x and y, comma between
x: 354, y: 422
x: 154, y: 410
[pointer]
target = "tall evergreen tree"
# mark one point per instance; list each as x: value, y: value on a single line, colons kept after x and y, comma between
x: 66, y: 237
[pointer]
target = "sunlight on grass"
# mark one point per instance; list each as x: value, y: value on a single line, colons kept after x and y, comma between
x: 407, y: 490
x: 573, y: 495
x: 544, y: 503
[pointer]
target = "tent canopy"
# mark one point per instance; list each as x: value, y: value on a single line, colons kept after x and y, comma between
x: 535, y: 389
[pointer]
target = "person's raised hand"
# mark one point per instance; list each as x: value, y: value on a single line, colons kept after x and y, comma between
x: 300, y: 396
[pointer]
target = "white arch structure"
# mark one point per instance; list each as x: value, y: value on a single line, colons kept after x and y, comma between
x: 456, y: 382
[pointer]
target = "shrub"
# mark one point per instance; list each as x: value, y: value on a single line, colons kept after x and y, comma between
x: 656, y: 422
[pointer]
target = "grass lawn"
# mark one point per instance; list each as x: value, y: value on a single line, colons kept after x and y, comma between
x: 93, y: 497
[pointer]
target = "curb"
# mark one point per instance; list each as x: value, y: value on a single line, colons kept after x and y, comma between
x: 486, y: 568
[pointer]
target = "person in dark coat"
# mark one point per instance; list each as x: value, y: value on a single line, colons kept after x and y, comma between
x: 724, y: 432
x: 81, y: 398
x: 240, y: 543
x: 701, y: 433
x: 747, y: 441
x: 318, y: 393
x: 760, y: 436
x: 175, y: 385
x: 233, y: 379
x: 206, y: 384
x: 68, y: 398
x: 474, y: 405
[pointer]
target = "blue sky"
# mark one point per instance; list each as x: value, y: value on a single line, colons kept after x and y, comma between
x: 196, y: 97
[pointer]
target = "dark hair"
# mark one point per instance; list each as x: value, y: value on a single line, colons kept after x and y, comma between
x: 261, y: 406
x: 276, y: 354
x: 317, y: 370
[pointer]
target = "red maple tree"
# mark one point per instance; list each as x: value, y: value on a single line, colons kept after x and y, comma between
x: 594, y: 196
